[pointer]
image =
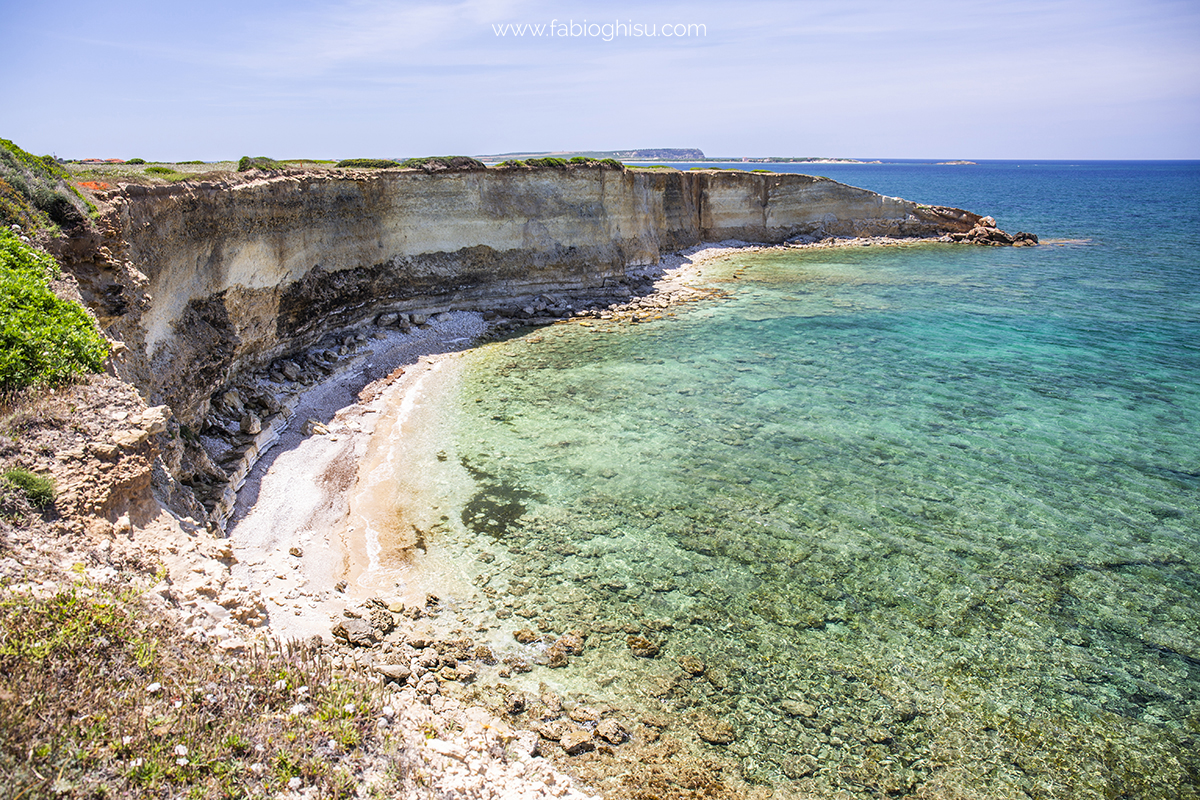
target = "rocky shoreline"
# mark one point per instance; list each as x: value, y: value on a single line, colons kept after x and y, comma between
x: 446, y: 657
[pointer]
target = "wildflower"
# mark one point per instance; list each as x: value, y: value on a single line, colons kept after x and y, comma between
x: 180, y: 750
x: 179, y: 704
x: 137, y: 762
x: 280, y: 685
x: 294, y: 784
x: 297, y: 709
x: 348, y: 708
x: 126, y: 741
x: 257, y: 769
x: 154, y: 688
x: 303, y: 690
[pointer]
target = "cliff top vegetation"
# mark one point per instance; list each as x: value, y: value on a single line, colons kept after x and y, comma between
x: 36, y: 193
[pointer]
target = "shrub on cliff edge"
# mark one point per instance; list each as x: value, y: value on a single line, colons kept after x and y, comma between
x: 36, y: 192
x: 44, y: 340
x: 369, y: 163
x: 246, y: 163
x: 444, y: 163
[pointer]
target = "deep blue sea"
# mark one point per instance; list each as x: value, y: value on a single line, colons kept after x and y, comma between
x: 929, y: 516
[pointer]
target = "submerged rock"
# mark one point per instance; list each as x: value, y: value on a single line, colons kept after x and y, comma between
x: 642, y: 647
x: 576, y: 742
x: 611, y: 731
x: 713, y: 730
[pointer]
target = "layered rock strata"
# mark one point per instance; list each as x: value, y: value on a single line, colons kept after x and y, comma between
x: 207, y: 281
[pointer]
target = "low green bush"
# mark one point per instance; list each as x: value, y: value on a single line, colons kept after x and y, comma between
x: 44, y: 340
x: 444, y: 163
x: 38, y: 489
x: 548, y: 161
x: 136, y: 161
x: 369, y: 163
x: 160, y: 171
x: 246, y: 163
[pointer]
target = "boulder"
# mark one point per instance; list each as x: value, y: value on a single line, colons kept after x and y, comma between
x: 154, y: 419
x: 612, y: 731
x: 576, y: 742
x: 355, y: 632
x: 130, y: 439
x: 571, y: 642
x: 397, y: 673
x: 233, y: 402
x: 642, y: 647
x: 251, y: 425
x: 556, y: 657
x: 553, y: 730
x: 713, y: 730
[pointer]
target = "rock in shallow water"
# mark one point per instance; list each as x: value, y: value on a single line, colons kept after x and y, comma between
x: 713, y: 730
x: 642, y: 647
x: 576, y: 742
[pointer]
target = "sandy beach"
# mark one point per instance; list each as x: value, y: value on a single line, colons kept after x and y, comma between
x: 318, y: 494
x: 321, y: 509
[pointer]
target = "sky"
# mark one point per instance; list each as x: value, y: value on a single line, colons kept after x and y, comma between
x: 173, y: 81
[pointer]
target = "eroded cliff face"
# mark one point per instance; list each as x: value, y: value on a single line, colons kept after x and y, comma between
x: 203, y: 281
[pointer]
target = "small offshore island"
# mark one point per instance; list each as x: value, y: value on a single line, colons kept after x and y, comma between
x: 267, y: 328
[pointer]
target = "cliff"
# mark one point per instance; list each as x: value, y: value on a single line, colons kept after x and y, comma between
x: 207, y: 280
x: 232, y: 274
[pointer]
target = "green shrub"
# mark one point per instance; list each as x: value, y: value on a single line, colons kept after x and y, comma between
x: 38, y: 489
x: 511, y: 163
x: 370, y: 163
x: 136, y: 161
x: 548, y: 161
x: 444, y: 163
x: 258, y: 162
x: 44, y: 340
x: 37, y: 192
x: 160, y: 171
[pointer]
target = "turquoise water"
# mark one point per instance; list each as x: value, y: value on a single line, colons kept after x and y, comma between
x: 945, y: 498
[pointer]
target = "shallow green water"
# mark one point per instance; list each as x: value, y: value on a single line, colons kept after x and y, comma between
x: 946, y: 493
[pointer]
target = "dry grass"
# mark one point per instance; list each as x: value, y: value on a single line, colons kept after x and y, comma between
x: 99, y: 698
